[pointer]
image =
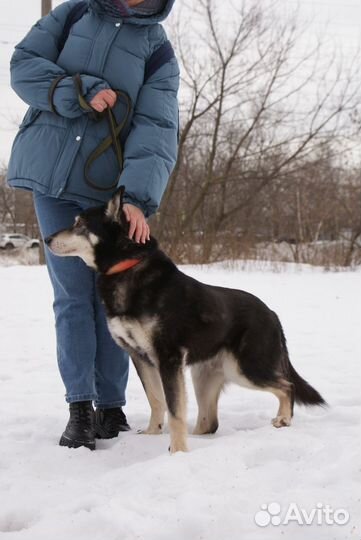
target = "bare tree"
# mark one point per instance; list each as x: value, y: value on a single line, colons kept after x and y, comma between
x: 16, y: 209
x: 254, y: 113
x: 7, y: 203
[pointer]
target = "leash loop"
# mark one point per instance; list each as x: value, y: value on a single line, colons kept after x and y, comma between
x: 113, y: 140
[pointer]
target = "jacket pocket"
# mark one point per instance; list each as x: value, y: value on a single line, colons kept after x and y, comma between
x: 30, y: 116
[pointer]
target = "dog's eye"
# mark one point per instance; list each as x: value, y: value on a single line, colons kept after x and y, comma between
x: 79, y: 226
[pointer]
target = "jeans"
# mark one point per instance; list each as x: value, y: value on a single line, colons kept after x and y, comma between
x: 91, y: 365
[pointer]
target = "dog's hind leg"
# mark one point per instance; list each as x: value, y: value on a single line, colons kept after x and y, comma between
x: 208, y: 382
x: 280, y: 387
x: 151, y: 381
x: 175, y: 393
x: 284, y: 391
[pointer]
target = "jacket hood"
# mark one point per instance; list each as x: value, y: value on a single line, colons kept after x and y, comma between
x: 129, y: 13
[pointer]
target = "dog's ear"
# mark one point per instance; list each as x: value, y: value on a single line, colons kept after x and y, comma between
x: 115, y: 205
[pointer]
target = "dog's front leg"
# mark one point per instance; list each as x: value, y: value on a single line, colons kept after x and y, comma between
x: 152, y: 384
x: 172, y: 376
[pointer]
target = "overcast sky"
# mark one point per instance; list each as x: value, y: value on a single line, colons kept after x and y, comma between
x: 335, y: 20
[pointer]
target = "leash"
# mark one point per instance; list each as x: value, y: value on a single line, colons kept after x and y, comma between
x: 112, y: 140
x: 122, y: 266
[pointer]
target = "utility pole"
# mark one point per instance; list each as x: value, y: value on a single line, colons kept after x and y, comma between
x: 45, y: 7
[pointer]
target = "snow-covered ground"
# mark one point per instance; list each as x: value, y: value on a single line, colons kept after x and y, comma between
x: 130, y: 488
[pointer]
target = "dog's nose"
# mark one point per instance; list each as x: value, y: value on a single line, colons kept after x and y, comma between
x: 48, y: 240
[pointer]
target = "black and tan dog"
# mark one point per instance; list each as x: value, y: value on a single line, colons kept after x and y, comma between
x: 166, y: 320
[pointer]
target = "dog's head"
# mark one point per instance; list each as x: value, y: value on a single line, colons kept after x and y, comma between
x: 99, y: 236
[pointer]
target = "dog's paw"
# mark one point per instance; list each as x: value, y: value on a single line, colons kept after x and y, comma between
x: 180, y: 447
x: 198, y: 431
x: 205, y: 430
x: 151, y: 430
x: 281, y: 421
x: 206, y: 426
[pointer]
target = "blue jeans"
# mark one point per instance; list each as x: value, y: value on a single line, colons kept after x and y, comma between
x: 91, y: 365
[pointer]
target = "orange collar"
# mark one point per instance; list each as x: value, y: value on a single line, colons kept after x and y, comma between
x: 121, y: 266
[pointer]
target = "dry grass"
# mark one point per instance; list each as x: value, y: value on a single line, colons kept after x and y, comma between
x: 242, y: 254
x: 19, y: 256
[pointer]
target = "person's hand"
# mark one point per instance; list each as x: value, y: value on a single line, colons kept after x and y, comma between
x: 103, y: 100
x: 138, y: 227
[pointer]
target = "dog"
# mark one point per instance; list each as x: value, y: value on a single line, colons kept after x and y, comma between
x: 167, y: 320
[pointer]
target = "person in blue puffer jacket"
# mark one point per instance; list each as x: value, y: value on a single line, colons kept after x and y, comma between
x: 108, y: 49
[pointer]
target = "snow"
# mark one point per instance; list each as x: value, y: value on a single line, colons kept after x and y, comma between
x: 130, y: 488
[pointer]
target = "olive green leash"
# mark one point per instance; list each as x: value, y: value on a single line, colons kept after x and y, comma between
x: 112, y: 140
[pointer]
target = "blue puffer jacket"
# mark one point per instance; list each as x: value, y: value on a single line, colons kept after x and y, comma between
x: 50, y: 150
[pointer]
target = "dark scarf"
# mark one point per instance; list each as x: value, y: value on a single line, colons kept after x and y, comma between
x: 115, y: 8
x: 150, y: 7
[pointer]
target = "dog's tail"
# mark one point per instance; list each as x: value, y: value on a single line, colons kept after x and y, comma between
x: 305, y: 394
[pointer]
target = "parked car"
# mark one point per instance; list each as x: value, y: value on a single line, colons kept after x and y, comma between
x: 14, y: 240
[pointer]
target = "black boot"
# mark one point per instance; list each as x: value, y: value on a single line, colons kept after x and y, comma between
x: 80, y: 428
x: 109, y: 422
